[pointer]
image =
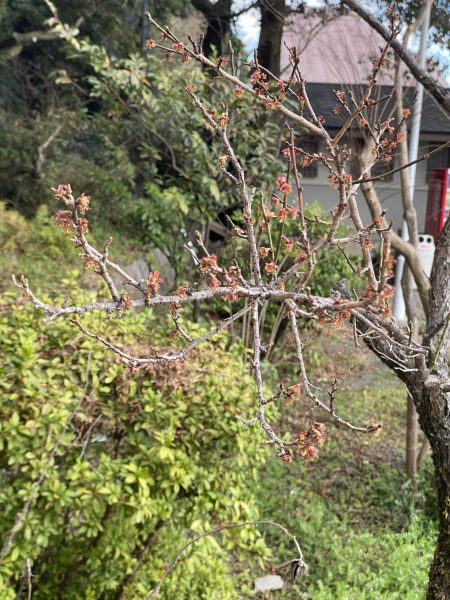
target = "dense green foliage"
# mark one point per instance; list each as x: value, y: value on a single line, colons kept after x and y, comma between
x: 120, y: 466
x: 116, y: 123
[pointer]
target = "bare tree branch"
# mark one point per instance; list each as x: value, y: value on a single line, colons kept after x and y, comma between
x: 439, y: 93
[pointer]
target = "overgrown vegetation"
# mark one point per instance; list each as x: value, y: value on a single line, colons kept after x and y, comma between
x: 146, y: 460
x: 102, y: 468
x: 104, y: 472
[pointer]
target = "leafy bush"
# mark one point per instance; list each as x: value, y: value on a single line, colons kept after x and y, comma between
x: 106, y: 473
x: 22, y: 241
x: 22, y: 244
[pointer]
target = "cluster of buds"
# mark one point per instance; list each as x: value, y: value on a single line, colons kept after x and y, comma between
x: 388, y: 266
x: 173, y: 308
x: 62, y: 191
x: 68, y: 220
x: 89, y: 262
x: 333, y: 180
x: 232, y: 277
x: 181, y: 291
x: 387, y: 292
x: 82, y: 226
x: 232, y: 296
x: 64, y: 220
x: 271, y: 94
x: 293, y: 389
x: 271, y: 268
x: 322, y: 317
x: 379, y: 221
x: 301, y: 257
x: 336, y: 110
x: 288, y: 244
x: 257, y: 76
x: 282, y: 184
x: 308, y: 441
x: 223, y: 120
x: 306, y: 160
x: 271, y: 103
x: 339, y: 319
x: 208, y: 264
x: 125, y: 302
x: 390, y: 12
x: 380, y: 62
x: 268, y: 214
x: 154, y: 281
x: 228, y: 276
x: 83, y: 203
x: 370, y: 291
x: 348, y: 179
x: 366, y: 242
x: 286, y: 212
x: 389, y: 143
x: 384, y: 298
x: 223, y: 61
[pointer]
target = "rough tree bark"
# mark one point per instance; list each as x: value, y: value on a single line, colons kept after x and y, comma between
x: 273, y: 14
x: 433, y: 405
x: 218, y: 17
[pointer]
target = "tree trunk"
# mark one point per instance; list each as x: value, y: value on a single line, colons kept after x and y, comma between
x: 439, y: 582
x: 273, y: 13
x: 218, y: 18
x: 433, y: 407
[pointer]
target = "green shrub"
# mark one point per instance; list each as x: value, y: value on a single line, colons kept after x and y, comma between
x: 128, y: 465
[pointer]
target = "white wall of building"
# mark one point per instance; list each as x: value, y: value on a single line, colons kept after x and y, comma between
x: 318, y: 189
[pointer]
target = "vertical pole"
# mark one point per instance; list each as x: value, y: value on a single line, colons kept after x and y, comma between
x: 399, y: 303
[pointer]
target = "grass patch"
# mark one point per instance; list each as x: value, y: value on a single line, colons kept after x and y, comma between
x: 367, y: 532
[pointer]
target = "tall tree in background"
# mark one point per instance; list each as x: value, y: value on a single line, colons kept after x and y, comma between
x: 218, y: 16
x: 273, y: 14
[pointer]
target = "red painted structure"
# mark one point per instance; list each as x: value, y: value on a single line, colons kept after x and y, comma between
x: 438, y: 203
